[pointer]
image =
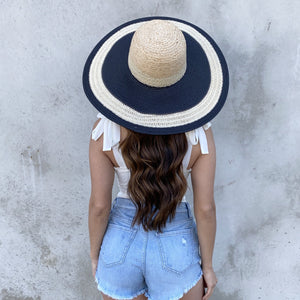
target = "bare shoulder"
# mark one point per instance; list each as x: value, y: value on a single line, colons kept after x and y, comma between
x: 210, y: 140
x: 197, y: 155
x: 203, y: 176
x: 96, y: 145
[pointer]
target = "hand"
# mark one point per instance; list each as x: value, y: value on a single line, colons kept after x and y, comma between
x: 210, y: 281
x: 94, y: 262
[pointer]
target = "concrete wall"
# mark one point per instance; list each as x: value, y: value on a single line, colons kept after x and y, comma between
x: 46, y: 121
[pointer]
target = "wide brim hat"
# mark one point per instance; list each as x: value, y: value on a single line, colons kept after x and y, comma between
x: 193, y: 100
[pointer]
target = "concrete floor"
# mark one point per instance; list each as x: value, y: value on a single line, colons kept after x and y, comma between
x: 46, y: 122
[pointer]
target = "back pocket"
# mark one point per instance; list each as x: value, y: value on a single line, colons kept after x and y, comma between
x: 178, y: 249
x: 115, y: 244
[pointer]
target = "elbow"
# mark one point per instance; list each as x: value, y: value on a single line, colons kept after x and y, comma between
x: 99, y: 208
x: 206, y: 211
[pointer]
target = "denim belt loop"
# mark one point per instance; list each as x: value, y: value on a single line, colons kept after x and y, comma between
x: 188, y: 209
x: 114, y: 202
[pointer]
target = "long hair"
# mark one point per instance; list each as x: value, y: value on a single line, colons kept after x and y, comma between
x: 157, y: 183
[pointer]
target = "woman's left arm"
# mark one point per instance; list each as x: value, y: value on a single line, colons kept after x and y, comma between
x: 102, y: 179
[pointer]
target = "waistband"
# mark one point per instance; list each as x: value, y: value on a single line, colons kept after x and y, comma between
x: 128, y: 204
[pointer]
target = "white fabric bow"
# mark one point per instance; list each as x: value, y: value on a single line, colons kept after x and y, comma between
x: 198, y: 135
x: 111, y: 132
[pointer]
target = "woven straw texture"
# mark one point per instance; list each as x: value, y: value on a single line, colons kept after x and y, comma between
x: 157, y: 54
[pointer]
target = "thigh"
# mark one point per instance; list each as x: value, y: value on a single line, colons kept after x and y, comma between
x: 196, y: 292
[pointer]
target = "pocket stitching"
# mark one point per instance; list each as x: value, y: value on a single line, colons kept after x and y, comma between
x: 126, y: 248
x: 163, y: 254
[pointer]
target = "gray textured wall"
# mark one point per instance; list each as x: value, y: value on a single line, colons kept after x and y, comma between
x: 46, y: 121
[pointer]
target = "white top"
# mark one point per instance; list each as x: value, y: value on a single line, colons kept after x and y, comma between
x: 111, y: 139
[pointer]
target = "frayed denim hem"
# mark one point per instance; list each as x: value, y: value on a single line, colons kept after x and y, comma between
x: 112, y: 295
x: 184, y: 291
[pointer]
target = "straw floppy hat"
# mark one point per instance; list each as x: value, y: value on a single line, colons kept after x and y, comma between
x: 157, y: 75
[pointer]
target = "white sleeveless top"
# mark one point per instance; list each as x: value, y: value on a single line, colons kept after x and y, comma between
x: 111, y: 139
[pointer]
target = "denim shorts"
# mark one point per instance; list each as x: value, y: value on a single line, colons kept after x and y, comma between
x: 133, y: 261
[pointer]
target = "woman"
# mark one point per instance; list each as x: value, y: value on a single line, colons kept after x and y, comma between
x: 152, y: 133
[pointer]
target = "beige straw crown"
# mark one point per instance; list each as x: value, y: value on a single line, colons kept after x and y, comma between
x: 157, y: 53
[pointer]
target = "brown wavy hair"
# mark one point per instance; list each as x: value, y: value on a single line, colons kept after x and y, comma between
x: 157, y: 183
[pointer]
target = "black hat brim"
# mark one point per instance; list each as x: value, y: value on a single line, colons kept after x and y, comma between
x: 184, y: 94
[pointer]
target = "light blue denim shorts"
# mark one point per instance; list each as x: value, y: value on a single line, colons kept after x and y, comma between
x: 133, y: 261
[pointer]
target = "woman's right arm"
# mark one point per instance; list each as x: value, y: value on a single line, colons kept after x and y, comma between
x: 203, y: 177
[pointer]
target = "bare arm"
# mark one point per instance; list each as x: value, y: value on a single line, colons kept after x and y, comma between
x: 202, y: 177
x: 102, y: 179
